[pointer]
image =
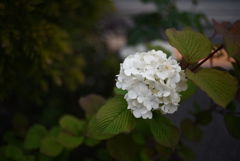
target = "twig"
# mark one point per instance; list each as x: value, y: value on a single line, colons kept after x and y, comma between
x: 209, y: 56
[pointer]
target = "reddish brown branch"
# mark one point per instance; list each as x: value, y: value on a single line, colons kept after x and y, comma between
x: 209, y: 56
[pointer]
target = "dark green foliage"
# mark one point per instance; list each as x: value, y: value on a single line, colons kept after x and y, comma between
x: 42, y: 45
x: 152, y: 25
x: 50, y: 55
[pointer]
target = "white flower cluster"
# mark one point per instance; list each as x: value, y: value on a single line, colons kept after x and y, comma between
x: 153, y: 82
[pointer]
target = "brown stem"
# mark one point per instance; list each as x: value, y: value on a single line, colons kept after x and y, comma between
x: 209, y: 56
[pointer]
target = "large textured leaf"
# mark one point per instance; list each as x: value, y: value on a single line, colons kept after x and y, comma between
x: 192, y: 45
x: 94, y: 132
x: 232, y: 124
x: 114, y: 117
x: 121, y: 147
x: 219, y: 85
x: 164, y: 131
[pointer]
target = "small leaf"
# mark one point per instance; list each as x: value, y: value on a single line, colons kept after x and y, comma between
x: 190, y: 131
x: 219, y: 85
x: 231, y: 106
x: 114, y: 117
x: 14, y: 152
x: 232, y: 124
x: 231, y: 37
x: 93, y: 130
x: 91, y: 103
x: 165, y: 152
x: 34, y: 137
x: 203, y: 117
x: 91, y: 142
x: 189, y: 92
x: 69, y: 140
x: 121, y: 147
x: 192, y: 45
x: 164, y: 131
x: 54, y: 131
x: 147, y: 154
x: 49, y: 146
x: 186, y: 154
x: 72, y: 124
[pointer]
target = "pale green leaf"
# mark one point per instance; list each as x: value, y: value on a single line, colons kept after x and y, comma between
x: 219, y: 85
x: 49, y: 146
x: 164, y: 131
x: 114, y: 117
x: 193, y: 46
x: 72, y: 124
x: 69, y: 140
x: 121, y: 147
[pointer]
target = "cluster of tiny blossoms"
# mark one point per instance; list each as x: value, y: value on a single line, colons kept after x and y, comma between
x: 153, y: 82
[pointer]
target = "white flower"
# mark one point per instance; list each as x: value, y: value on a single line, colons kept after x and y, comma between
x: 153, y: 82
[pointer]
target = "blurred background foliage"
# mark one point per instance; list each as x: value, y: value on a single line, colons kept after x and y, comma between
x: 153, y: 25
x: 47, y: 49
x: 51, y: 54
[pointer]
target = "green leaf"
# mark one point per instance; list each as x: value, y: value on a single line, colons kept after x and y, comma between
x: 231, y: 106
x: 91, y: 103
x: 34, y: 137
x: 49, y: 146
x: 114, y: 117
x: 119, y: 91
x: 190, y: 131
x: 121, y: 147
x: 186, y: 153
x: 219, y: 85
x: 164, y: 131
x: 232, y: 124
x: 69, y: 140
x: 54, y: 131
x: 203, y: 117
x: 165, y: 152
x: 189, y: 92
x: 192, y: 45
x: 72, y: 124
x: 155, y: 47
x: 14, y: 152
x: 91, y: 142
x: 94, y: 132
